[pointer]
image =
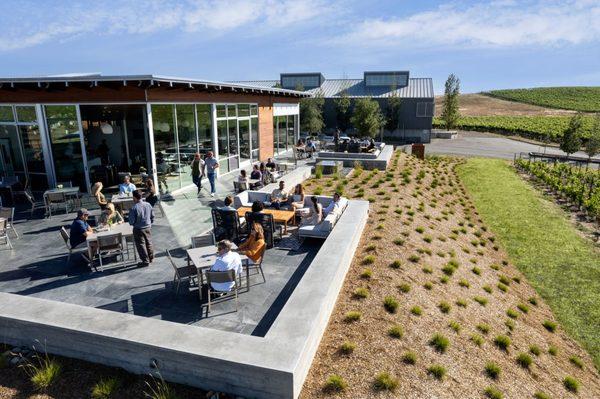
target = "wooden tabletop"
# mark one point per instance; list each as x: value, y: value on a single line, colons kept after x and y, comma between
x: 124, y: 228
x: 280, y: 216
x: 205, y: 257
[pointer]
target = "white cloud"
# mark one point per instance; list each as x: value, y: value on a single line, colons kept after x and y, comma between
x: 494, y: 24
x: 150, y: 16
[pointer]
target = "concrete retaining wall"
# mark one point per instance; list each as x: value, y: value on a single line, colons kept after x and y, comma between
x: 381, y: 162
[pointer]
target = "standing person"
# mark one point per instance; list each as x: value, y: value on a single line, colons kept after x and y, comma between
x: 197, y: 171
x: 211, y: 165
x: 336, y: 139
x: 150, y: 193
x: 141, y: 217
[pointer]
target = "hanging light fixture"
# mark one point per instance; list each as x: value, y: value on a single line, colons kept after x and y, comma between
x: 106, y: 128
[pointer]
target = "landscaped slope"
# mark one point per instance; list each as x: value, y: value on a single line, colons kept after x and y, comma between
x: 585, y: 99
x: 563, y: 266
x: 432, y: 308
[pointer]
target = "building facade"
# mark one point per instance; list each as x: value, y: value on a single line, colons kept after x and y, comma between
x: 83, y: 129
x: 416, y: 94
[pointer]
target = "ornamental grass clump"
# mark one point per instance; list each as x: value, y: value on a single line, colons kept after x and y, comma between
x: 404, y: 287
x: 571, y: 384
x: 535, y: 350
x: 493, y: 393
x: 480, y: 300
x: 105, y: 388
x: 492, y: 370
x: 390, y: 304
x: 444, y: 307
x: 541, y: 395
x: 366, y: 273
x: 368, y: 260
x: 477, y: 339
x: 42, y: 370
x: 396, y: 264
x: 512, y: 313
x: 549, y: 325
x: 414, y: 258
x: 352, y: 316
x: 439, y: 342
x: 437, y: 371
x: 347, y: 347
x: 576, y: 361
x: 361, y: 293
x: 502, y: 342
x: 335, y: 383
x: 416, y: 310
x: 524, y: 360
x: 385, y: 382
x: 396, y: 332
x: 454, y: 325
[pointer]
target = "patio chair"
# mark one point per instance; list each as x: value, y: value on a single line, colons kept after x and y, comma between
x: 238, y: 187
x: 187, y: 273
x: 57, y: 200
x: 126, y: 207
x: 79, y: 249
x: 35, y: 204
x: 222, y: 277
x: 249, y: 264
x: 9, y: 215
x: 226, y: 225
x: 65, y: 184
x: 203, y: 240
x: 110, y: 244
x: 267, y: 223
x: 4, y: 232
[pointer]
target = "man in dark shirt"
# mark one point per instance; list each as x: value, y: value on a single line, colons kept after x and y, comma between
x: 141, y: 217
x: 80, y: 229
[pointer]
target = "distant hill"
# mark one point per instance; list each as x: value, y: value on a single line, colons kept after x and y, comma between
x: 586, y: 99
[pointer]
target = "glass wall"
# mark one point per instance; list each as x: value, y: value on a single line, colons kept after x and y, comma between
x: 284, y: 133
x: 188, y: 142
x: 237, y: 134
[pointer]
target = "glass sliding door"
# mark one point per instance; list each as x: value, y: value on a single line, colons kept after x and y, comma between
x: 165, y: 146
x: 244, y: 126
x: 291, y: 131
x: 223, y: 146
x: 188, y: 144
x: 254, y: 138
x: 204, y: 119
x: 234, y: 150
x: 282, y: 134
x: 65, y: 141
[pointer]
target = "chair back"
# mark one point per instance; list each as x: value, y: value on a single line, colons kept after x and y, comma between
x: 172, y: 263
x: 267, y: 223
x: 29, y: 196
x: 56, y: 198
x: 3, y: 224
x: 65, y: 184
x: 8, y: 214
x: 226, y: 225
x: 109, y: 242
x: 65, y: 236
x: 126, y: 206
x: 203, y: 240
x: 227, y: 276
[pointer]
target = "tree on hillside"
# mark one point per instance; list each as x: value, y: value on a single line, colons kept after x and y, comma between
x: 311, y: 113
x: 450, y: 113
x: 393, y: 110
x: 571, y: 139
x: 592, y: 147
x: 342, y: 110
x: 367, y: 118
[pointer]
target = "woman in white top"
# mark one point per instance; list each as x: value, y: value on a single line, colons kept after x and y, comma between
x: 298, y: 197
x: 315, y: 213
x: 226, y: 260
x: 243, y: 177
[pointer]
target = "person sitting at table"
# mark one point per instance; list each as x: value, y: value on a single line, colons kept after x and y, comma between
x: 226, y: 260
x: 127, y: 187
x: 227, y: 204
x: 310, y: 147
x: 243, y: 177
x: 298, y: 197
x: 271, y: 164
x: 150, y: 193
x: 371, y: 145
x: 80, y: 229
x: 254, y: 244
x: 111, y: 216
x: 256, y: 173
x: 266, y: 176
x: 334, y: 206
x: 314, y: 215
x: 279, y: 196
x: 97, y: 193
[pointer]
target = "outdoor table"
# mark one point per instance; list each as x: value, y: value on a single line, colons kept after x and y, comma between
x: 124, y: 228
x: 253, y: 183
x: 68, y: 191
x: 279, y: 216
x: 286, y: 165
x: 119, y: 199
x: 204, y: 257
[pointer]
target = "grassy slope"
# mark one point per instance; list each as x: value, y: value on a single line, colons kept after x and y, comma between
x: 561, y: 265
x: 585, y: 99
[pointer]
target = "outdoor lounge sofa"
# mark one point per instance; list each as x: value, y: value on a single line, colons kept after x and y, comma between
x: 322, y: 229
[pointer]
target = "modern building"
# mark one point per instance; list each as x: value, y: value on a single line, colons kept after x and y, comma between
x: 87, y: 128
x: 416, y: 94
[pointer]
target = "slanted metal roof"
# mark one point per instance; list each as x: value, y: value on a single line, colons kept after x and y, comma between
x: 355, y: 88
x: 147, y: 81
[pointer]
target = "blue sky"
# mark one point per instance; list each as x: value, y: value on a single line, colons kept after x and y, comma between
x: 494, y: 44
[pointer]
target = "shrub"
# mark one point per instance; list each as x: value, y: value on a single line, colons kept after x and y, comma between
x: 420, y: 230
x: 502, y: 287
x: 437, y: 371
x: 477, y: 339
x: 444, y: 307
x: 492, y: 370
x: 454, y: 326
x: 571, y: 384
x: 524, y: 360
x: 428, y: 285
x: 493, y: 393
x: 385, y: 382
x: 494, y: 266
x: 105, y: 388
x: 352, y: 316
x: 512, y: 313
x: 361, y: 293
x: 484, y: 328
x: 476, y: 271
x: 409, y: 358
x: 427, y: 239
x: 335, y: 383
x: 318, y: 190
x: 416, y: 310
x: 480, y: 300
x: 414, y: 258
x: 368, y: 260
x: 461, y: 302
x: 347, y: 347
x: 396, y: 332
x: 404, y: 287
x: 535, y: 350
x: 396, y: 264
x: 464, y: 283
x: 159, y: 389
x: 318, y: 171
x: 371, y: 248
x: 576, y: 361
x: 502, y: 342
x: 367, y: 273
x: 549, y: 325
x: 398, y: 241
x: 504, y: 280
x: 43, y: 371
x: 448, y: 270
x: 487, y: 289
x: 439, y: 343
x: 541, y: 395
x: 390, y: 304
x: 444, y: 279
x: 510, y: 324
x: 427, y: 270
x: 552, y: 350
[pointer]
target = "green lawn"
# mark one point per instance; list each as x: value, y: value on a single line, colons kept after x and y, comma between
x: 562, y: 266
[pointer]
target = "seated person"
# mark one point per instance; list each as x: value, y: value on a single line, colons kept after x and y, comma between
x: 271, y: 164
x: 279, y: 196
x: 80, y: 229
x: 111, y: 215
x: 298, y: 197
x: 97, y: 193
x: 314, y: 215
x: 257, y: 207
x: 243, y: 178
x: 253, y: 246
x: 256, y: 173
x: 127, y: 187
x: 226, y: 260
x: 150, y: 193
x: 334, y: 206
x: 371, y: 145
x: 227, y: 204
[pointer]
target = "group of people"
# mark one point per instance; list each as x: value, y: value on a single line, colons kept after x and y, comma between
x: 204, y: 167
x: 308, y: 147
x: 263, y: 172
x: 353, y: 145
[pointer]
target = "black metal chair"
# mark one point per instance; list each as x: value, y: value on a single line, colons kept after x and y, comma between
x: 226, y: 225
x: 267, y: 223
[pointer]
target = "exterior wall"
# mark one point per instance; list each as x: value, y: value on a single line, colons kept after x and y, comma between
x: 265, y: 131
